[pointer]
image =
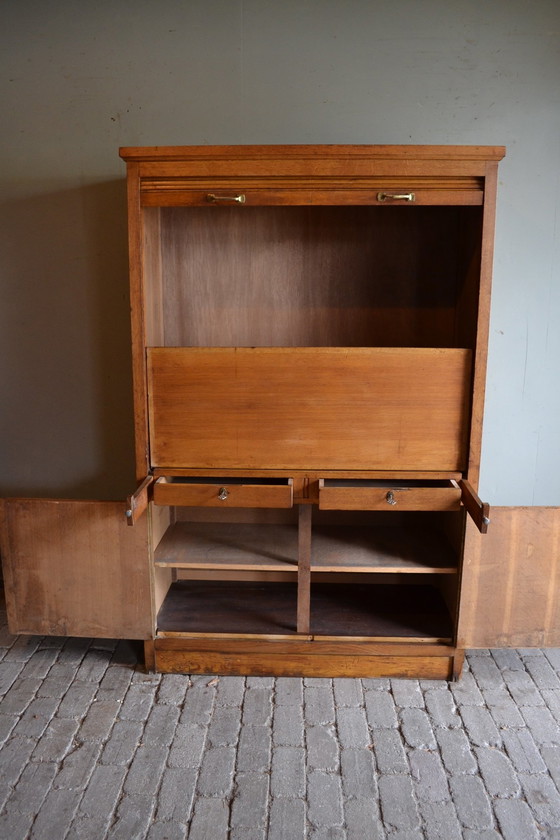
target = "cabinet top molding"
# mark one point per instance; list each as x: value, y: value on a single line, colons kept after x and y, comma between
x: 368, y: 152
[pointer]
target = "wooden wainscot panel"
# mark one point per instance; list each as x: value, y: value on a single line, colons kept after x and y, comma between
x: 74, y: 568
x: 511, y: 580
x: 309, y: 408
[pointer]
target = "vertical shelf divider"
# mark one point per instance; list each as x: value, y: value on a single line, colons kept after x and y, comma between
x: 304, y: 569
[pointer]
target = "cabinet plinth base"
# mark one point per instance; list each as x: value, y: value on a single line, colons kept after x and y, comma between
x: 303, y: 658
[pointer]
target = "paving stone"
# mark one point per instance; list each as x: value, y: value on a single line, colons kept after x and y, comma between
x: 144, y: 775
x: 224, y: 726
x: 543, y: 798
x: 257, y: 706
x: 542, y: 672
x: 176, y: 795
x: 430, y: 781
x: 99, y: 721
x: 456, y: 751
x: 352, y: 728
x: 216, y: 772
x: 15, y: 755
x: 9, y: 672
x: 508, y: 659
x: 515, y: 820
x: 318, y: 682
x: 398, y: 804
x: 480, y: 727
x: 486, y: 672
x: 56, y: 814
x: 122, y: 743
x: 288, y: 772
x: 77, y: 700
x: 287, y: 819
x: 166, y: 831
x: 36, y: 717
x: 522, y: 688
x: 417, y: 729
x: 138, y: 702
x: 324, y: 799
x: 522, y: 751
x: 74, y: 650
x: 322, y: 748
x: 407, y: 693
x: 243, y: 833
x: 380, y: 710
x: 319, y: 704
x: 250, y: 799
x: 188, y: 745
x: 39, y: 665
x: 260, y: 682
x: 254, y: 749
x: 363, y: 820
x: 289, y: 691
x: 32, y: 787
x: 230, y: 691
x: 134, y: 816
x: 7, y: 724
x: 348, y: 692
x: 542, y: 725
x: 198, y: 705
x: 331, y: 833
x: 466, y: 692
x: 502, y: 708
x: 16, y: 826
x: 551, y: 757
x: 440, y: 820
x: 287, y: 726
x: 172, y: 689
x: 210, y: 820
x: 471, y: 801
x: 19, y: 696
x: 93, y: 665
x: 103, y: 791
x: 441, y: 708
x: 116, y: 682
x: 389, y: 751
x: 553, y: 656
x: 484, y: 834
x: 376, y: 684
x: 78, y: 766
x: 161, y: 725
x: 552, y: 699
x: 59, y: 679
x: 497, y: 772
x: 357, y: 769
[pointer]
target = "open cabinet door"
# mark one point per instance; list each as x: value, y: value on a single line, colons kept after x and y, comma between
x: 74, y: 568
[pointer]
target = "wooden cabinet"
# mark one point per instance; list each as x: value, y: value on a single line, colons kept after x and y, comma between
x: 309, y: 343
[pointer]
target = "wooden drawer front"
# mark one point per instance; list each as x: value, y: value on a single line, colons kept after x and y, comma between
x: 378, y: 495
x: 226, y: 493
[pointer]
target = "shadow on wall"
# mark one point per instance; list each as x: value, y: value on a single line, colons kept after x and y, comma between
x: 67, y: 422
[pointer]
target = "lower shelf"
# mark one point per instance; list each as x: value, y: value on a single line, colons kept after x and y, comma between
x: 373, y: 611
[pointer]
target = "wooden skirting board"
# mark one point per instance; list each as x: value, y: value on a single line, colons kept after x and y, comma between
x: 511, y: 580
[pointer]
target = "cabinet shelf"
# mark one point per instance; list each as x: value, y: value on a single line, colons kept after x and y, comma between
x: 273, y: 548
x: 382, y: 612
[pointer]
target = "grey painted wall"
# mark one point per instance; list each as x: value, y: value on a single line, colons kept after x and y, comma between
x: 78, y: 79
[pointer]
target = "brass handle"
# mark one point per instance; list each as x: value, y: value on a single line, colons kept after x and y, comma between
x: 396, y: 196
x: 223, y: 493
x: 390, y: 497
x: 240, y: 199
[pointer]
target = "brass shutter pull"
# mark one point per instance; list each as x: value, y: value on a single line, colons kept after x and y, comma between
x: 240, y: 199
x: 381, y: 196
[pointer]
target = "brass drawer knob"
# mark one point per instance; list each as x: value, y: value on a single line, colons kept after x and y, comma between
x: 223, y: 493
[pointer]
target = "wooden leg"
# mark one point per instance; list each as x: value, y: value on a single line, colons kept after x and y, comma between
x: 458, y: 661
x: 304, y: 569
x: 149, y: 655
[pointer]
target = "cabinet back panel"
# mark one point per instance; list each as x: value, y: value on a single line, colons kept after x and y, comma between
x: 309, y: 408
x: 313, y: 276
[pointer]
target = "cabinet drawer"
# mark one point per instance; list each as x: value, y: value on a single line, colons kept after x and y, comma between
x: 340, y: 494
x: 224, y: 492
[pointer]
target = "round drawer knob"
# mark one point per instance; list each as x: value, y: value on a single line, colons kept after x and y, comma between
x: 223, y: 493
x: 390, y: 497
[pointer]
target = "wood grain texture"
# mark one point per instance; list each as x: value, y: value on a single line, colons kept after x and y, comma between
x: 337, y: 495
x: 511, y: 580
x: 309, y: 408
x: 223, y: 494
x: 74, y: 568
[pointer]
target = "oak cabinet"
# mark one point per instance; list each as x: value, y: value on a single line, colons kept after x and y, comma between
x: 309, y: 331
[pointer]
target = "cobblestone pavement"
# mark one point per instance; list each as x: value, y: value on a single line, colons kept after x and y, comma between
x: 92, y: 749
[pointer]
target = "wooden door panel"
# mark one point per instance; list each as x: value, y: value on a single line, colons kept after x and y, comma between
x: 74, y: 568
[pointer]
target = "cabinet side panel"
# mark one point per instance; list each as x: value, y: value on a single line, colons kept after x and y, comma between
x: 511, y: 580
x: 75, y: 569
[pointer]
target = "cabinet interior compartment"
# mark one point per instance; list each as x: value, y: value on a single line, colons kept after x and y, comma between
x: 321, y: 276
